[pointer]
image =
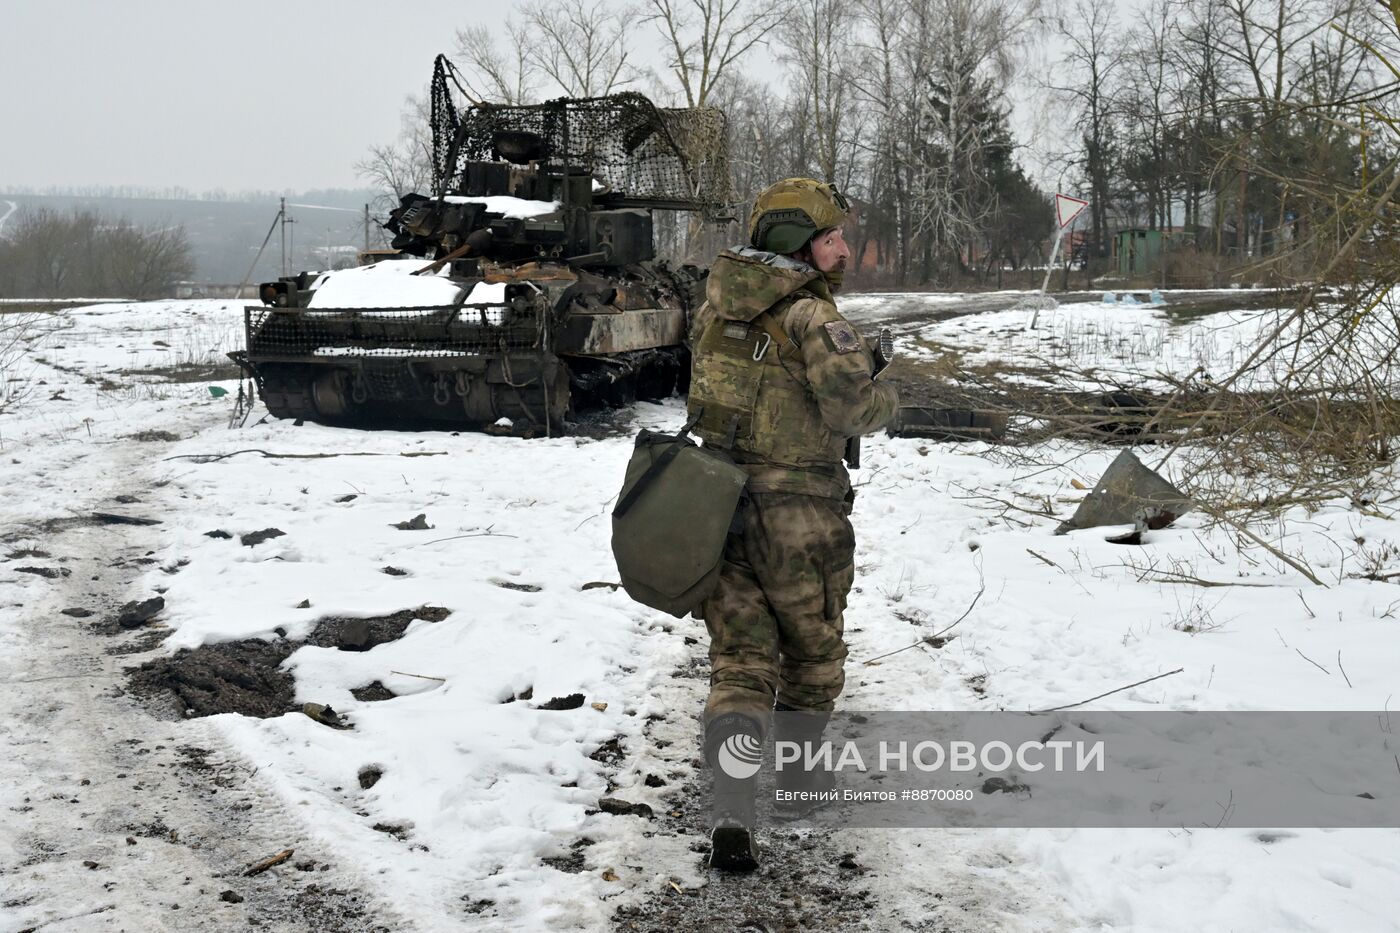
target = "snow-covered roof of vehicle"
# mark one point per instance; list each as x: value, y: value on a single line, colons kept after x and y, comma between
x: 508, y: 207
x: 387, y: 284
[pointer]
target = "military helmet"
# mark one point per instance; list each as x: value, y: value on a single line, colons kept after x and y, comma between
x: 788, y: 214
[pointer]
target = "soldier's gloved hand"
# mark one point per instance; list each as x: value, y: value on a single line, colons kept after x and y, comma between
x: 884, y: 351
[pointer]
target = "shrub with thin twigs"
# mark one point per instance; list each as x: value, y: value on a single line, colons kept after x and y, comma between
x: 17, y: 329
x: 1308, y: 410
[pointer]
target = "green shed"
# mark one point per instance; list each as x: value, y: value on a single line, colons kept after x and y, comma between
x: 1137, y: 250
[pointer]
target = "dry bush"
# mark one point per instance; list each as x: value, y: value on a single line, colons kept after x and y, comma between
x: 1313, y: 413
x: 17, y: 329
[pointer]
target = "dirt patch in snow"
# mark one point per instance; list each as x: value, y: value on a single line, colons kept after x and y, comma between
x: 187, y: 372
x: 804, y: 883
x: 806, y: 880
x: 233, y: 677
x: 815, y: 897
x: 153, y: 436
x: 374, y: 692
x: 124, y: 818
x: 246, y: 677
x: 363, y: 634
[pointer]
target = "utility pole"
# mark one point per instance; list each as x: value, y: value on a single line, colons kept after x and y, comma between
x: 1242, y: 240
x: 282, y: 220
x: 366, y: 228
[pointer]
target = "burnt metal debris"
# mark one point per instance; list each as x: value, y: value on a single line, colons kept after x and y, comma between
x: 1129, y: 493
x: 949, y: 424
x: 581, y: 314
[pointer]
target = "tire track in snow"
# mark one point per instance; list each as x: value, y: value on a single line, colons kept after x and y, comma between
x: 115, y: 819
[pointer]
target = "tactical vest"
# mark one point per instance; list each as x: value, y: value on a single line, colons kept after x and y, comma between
x: 749, y: 387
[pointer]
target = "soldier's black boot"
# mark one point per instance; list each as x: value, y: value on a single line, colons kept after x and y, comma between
x: 800, y: 789
x: 734, y: 750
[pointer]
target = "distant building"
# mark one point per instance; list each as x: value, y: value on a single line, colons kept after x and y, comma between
x: 208, y: 290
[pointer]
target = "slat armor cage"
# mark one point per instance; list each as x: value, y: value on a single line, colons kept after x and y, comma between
x: 312, y: 334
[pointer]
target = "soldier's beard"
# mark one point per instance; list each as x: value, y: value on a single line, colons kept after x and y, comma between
x: 835, y: 277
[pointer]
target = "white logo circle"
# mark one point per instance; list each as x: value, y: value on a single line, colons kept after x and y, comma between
x: 740, y: 756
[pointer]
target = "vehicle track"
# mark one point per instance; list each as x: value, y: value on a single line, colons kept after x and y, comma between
x: 115, y: 819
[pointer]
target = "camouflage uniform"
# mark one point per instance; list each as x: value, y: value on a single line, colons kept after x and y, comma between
x: 775, y: 620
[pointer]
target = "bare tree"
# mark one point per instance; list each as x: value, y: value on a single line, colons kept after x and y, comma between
x: 17, y: 330
x: 574, y: 48
x: 583, y: 48
x: 817, y: 42
x: 146, y: 262
x: 1204, y: 76
x: 707, y: 38
x: 762, y: 135
x: 972, y: 62
x: 932, y: 78
x: 405, y: 165
x: 877, y: 84
x: 504, y: 72
x: 500, y: 72
x: 1151, y: 95
x: 1302, y: 139
x: 1264, y: 38
x: 47, y: 254
x: 52, y: 255
x: 1093, y: 56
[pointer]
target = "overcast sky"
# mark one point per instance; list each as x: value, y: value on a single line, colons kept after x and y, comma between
x: 280, y: 95
x: 234, y: 94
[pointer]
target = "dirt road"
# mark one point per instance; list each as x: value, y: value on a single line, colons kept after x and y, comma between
x: 117, y: 819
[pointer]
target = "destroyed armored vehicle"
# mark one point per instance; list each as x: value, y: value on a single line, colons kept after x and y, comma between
x: 525, y: 288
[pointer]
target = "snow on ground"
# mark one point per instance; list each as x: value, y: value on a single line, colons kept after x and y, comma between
x: 486, y: 787
x: 868, y: 302
x: 1093, y: 343
x: 1056, y: 635
x: 905, y: 311
x: 1124, y: 343
x: 482, y: 789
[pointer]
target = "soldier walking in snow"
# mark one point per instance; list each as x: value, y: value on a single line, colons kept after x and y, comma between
x: 781, y: 382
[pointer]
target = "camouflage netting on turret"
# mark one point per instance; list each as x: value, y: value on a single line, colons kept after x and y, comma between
x: 635, y: 148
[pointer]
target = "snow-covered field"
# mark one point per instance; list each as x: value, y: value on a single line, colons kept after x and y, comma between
x: 1093, y: 343
x: 1118, y: 342
x: 478, y: 789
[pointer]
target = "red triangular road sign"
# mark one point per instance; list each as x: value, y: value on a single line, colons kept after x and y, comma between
x: 1068, y: 208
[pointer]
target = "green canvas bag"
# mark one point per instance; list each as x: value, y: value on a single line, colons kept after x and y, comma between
x: 673, y: 514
